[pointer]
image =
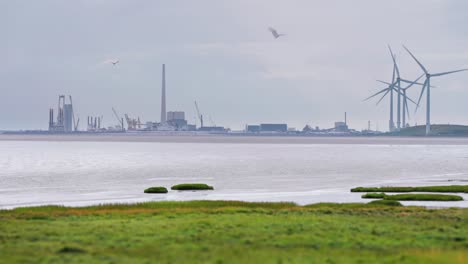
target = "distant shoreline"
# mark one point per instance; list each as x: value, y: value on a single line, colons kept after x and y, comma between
x: 237, y: 139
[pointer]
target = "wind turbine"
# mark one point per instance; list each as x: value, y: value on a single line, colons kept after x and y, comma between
x: 385, y: 91
x: 427, y: 84
x: 405, y: 97
x: 389, y: 89
x: 398, y: 82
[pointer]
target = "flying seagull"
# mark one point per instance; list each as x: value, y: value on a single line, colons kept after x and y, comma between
x: 275, y: 33
x: 114, y: 62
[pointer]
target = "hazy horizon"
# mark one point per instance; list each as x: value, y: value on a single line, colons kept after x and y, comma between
x: 221, y: 54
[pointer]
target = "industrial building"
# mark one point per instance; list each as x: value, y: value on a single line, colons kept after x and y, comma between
x: 274, y: 128
x: 342, y: 126
x: 65, y: 121
x: 212, y: 129
x: 177, y: 120
x: 252, y: 128
x: 267, y: 128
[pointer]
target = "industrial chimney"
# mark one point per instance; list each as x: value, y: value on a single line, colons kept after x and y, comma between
x: 163, y: 95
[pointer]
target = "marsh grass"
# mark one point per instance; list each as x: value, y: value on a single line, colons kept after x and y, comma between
x: 443, y: 189
x: 386, y: 202
x: 373, y: 196
x: 423, y: 197
x: 156, y: 190
x: 234, y: 232
x: 192, y: 187
x: 68, y: 249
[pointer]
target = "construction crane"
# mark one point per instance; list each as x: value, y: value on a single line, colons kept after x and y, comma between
x: 200, y: 116
x: 212, y: 122
x: 119, y: 119
x: 77, y: 123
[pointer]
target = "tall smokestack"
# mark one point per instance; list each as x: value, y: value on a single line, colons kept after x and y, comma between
x: 345, y: 118
x: 163, y: 95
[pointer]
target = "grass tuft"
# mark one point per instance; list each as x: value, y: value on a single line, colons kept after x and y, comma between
x: 68, y: 249
x: 423, y: 197
x: 444, y: 189
x: 373, y: 196
x: 192, y: 186
x: 386, y: 202
x: 156, y: 190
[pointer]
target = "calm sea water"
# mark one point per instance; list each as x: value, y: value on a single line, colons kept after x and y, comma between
x: 83, y: 173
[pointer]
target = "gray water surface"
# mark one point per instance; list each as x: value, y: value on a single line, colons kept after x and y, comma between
x: 87, y: 173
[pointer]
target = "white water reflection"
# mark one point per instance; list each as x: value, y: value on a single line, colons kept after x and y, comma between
x: 81, y: 173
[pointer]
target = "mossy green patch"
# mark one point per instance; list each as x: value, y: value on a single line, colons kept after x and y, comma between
x: 443, y: 189
x: 386, y: 202
x: 156, y: 190
x: 192, y: 186
x: 423, y: 197
x: 373, y: 196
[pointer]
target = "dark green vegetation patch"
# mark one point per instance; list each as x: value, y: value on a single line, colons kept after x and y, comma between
x: 373, y: 196
x: 156, y: 190
x: 443, y: 189
x: 191, y: 187
x: 436, y: 130
x: 234, y: 232
x: 423, y: 197
x: 67, y: 249
x: 386, y: 202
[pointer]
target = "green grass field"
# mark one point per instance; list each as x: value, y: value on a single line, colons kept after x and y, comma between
x: 234, y: 232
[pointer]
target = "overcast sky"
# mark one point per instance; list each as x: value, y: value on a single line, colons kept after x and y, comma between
x: 221, y: 54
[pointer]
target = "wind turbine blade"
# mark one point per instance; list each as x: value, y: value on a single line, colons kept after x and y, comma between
x: 414, y: 82
x: 402, y: 94
x: 419, y: 63
x: 445, y: 73
x: 387, y: 83
x: 383, y: 90
x: 410, y: 100
x: 394, y: 61
x: 383, y: 97
x: 422, y: 92
x: 393, y: 75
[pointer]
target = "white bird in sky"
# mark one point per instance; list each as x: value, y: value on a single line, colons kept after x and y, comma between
x: 275, y: 33
x: 109, y: 61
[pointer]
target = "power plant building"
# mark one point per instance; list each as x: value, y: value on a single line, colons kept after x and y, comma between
x: 273, y: 128
x: 252, y: 128
x: 175, y: 115
x: 177, y: 120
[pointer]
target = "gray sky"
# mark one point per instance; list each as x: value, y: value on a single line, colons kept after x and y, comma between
x: 221, y: 54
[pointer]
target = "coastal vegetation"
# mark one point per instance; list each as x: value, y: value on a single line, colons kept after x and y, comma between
x: 423, y: 197
x: 191, y: 187
x: 436, y: 130
x: 413, y: 197
x: 444, y: 189
x: 386, y: 202
x: 234, y: 232
x: 159, y: 189
x: 373, y: 196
